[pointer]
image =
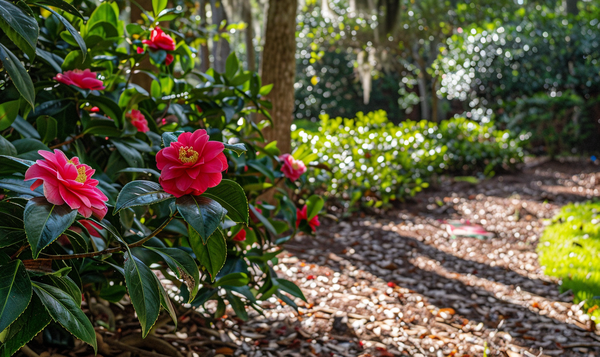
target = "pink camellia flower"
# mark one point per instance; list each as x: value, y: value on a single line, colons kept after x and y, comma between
x: 191, y: 164
x: 68, y: 181
x: 241, y: 236
x: 92, y: 227
x: 85, y: 79
x: 95, y: 110
x: 138, y: 120
x: 291, y: 167
x: 139, y: 50
x: 301, y: 215
x: 160, y: 40
x: 169, y: 59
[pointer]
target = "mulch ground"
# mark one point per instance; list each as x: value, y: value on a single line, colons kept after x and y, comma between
x: 397, y: 284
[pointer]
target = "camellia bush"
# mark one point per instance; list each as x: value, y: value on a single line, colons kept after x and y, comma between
x: 371, y: 160
x: 105, y: 184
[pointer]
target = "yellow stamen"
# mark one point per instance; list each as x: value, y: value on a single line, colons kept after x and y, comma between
x: 81, y: 176
x: 187, y: 154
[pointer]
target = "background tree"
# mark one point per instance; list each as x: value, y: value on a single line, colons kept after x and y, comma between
x: 278, y: 67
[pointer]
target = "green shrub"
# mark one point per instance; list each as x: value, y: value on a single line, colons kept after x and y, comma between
x: 570, y: 250
x: 370, y: 158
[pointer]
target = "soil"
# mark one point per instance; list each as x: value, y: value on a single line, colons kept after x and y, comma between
x: 397, y: 284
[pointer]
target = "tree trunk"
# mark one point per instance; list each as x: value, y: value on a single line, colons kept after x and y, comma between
x: 278, y: 67
x: 221, y: 47
x: 249, y: 36
x: 571, y: 7
x: 204, y: 52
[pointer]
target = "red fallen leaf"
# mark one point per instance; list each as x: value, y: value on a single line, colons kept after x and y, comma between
x: 310, y: 277
x: 530, y: 338
x: 592, y: 309
x: 391, y: 284
x: 536, y: 305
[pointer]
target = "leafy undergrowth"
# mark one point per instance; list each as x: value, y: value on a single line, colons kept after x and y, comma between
x: 570, y: 250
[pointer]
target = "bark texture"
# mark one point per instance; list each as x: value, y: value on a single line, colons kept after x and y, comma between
x: 278, y: 67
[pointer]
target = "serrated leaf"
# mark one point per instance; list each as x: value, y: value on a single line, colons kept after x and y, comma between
x: 202, y: 213
x: 66, y: 312
x: 140, y: 193
x: 44, y: 222
x: 143, y: 290
x: 15, y: 292
x: 239, y: 149
x: 211, y: 255
x: 232, y: 197
x: 183, y: 265
x: 33, y: 320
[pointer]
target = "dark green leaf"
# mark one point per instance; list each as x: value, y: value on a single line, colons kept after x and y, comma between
x: 233, y: 279
x: 44, y: 222
x: 18, y: 74
x: 211, y: 255
x: 182, y: 264
x: 66, y: 312
x: 203, y: 214
x: 10, y: 164
x: 290, y: 288
x: 232, y: 197
x: 140, y: 193
x: 6, y: 148
x: 132, y: 156
x: 65, y: 284
x: 47, y: 127
x: 238, y: 306
x: 25, y: 328
x: 63, y: 5
x: 108, y: 107
x: 21, y: 28
x: 15, y: 292
x: 169, y: 137
x: 25, y: 129
x: 239, y: 149
x: 143, y: 290
x: 19, y: 186
x: 71, y: 30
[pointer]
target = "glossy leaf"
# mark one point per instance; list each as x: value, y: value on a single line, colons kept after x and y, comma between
x: 44, y: 222
x: 21, y: 28
x: 238, y: 306
x: 202, y: 213
x: 140, y: 193
x: 239, y: 149
x: 15, y: 292
x: 231, y: 196
x: 8, y: 113
x: 33, y: 320
x: 211, y: 255
x: 314, y: 205
x: 71, y: 29
x: 143, y: 290
x: 18, y: 74
x: 66, y: 312
x: 182, y: 264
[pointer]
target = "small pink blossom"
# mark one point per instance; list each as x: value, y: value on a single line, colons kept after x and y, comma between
x: 83, y: 79
x: 291, y: 167
x: 301, y: 215
x: 138, y: 120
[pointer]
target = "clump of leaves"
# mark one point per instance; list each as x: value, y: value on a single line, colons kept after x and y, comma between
x: 372, y: 160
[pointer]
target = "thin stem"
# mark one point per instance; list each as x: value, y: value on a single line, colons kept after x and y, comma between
x: 130, y: 75
x: 110, y: 250
x: 67, y: 142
